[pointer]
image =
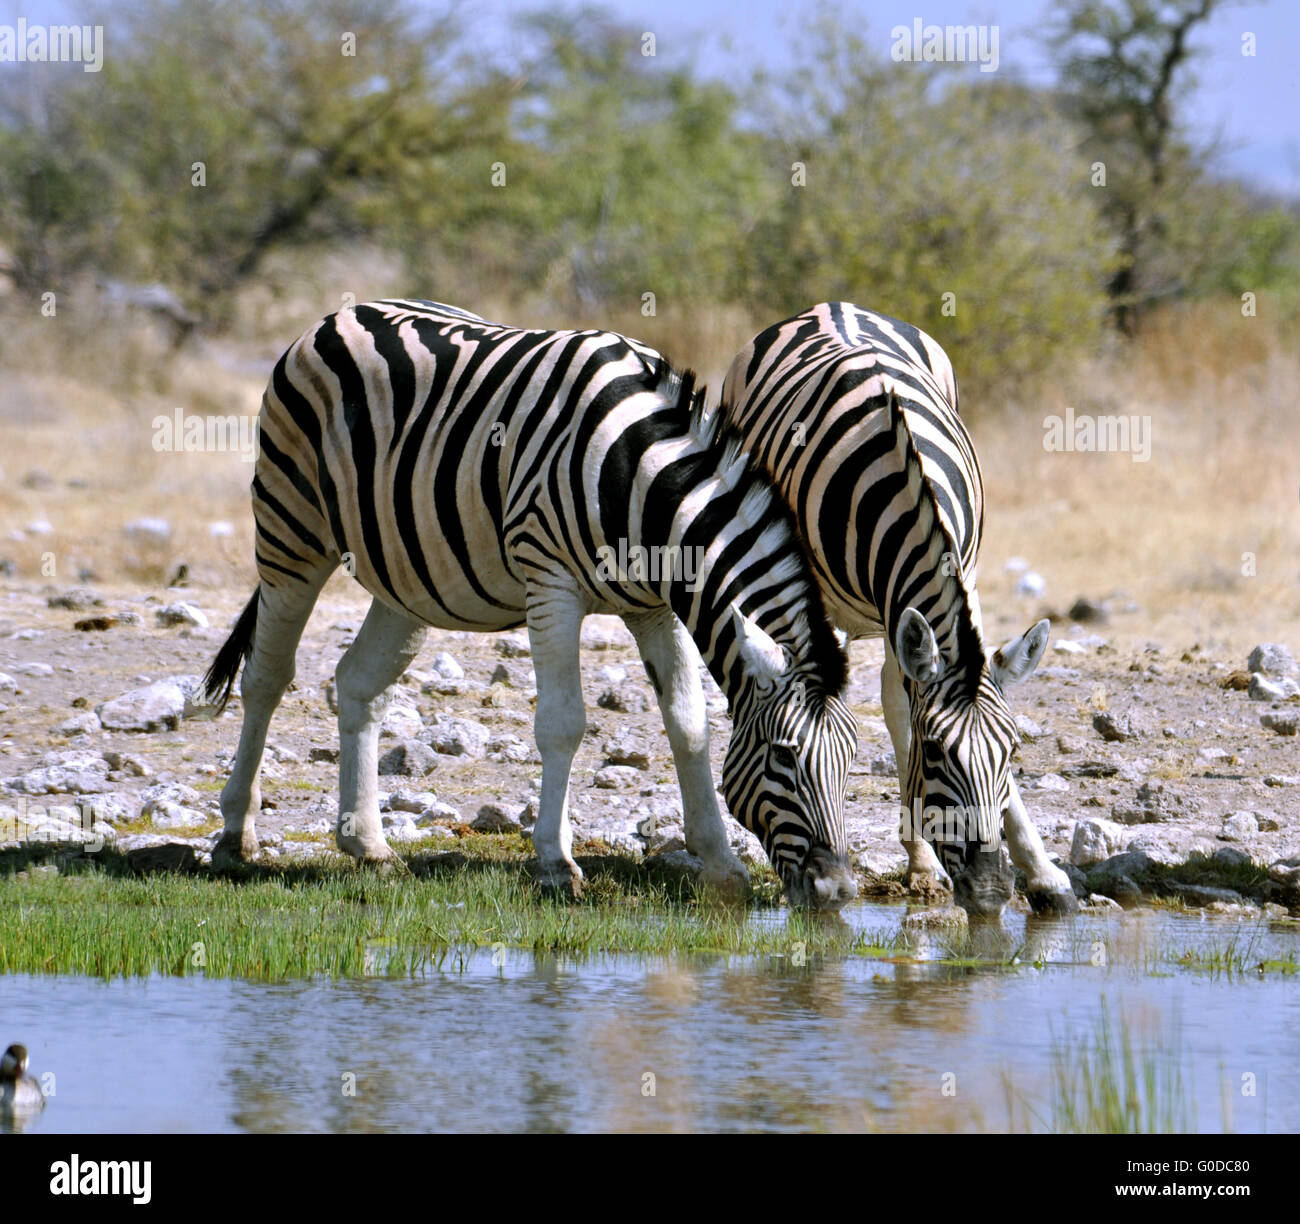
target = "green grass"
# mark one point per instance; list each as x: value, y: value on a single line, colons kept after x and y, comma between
x: 329, y: 918
x: 1108, y: 1082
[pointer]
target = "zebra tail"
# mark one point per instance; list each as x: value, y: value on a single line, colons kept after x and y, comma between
x: 219, y: 679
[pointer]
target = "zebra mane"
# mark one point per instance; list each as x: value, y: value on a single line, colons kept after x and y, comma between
x: 780, y: 539
x: 969, y: 648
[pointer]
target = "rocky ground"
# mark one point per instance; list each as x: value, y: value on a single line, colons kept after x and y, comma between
x: 1151, y: 768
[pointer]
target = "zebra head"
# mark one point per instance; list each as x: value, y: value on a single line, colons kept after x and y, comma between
x: 786, y: 769
x: 957, y: 782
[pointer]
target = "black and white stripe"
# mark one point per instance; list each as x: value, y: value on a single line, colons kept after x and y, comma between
x: 475, y: 476
x: 854, y: 415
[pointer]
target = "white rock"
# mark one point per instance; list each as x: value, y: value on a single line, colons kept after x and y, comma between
x: 460, y: 736
x: 158, y: 707
x: 447, y: 667
x: 617, y: 777
x: 1095, y: 841
x: 152, y: 530
x: 181, y: 613
x: 401, y: 722
x: 1065, y: 646
x: 1052, y: 782
x: 1273, y: 659
x: 438, y: 813
x: 1239, y: 825
x: 1031, y: 584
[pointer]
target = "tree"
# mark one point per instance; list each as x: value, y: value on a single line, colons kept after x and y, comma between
x: 215, y: 135
x: 937, y: 199
x: 1125, y: 65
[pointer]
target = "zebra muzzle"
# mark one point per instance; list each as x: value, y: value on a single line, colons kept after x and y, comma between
x: 828, y: 881
x: 986, y: 881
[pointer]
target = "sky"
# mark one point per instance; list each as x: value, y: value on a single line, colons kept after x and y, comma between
x: 1250, y: 105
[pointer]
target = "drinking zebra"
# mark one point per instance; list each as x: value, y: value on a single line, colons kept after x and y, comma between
x: 481, y: 477
x: 854, y: 415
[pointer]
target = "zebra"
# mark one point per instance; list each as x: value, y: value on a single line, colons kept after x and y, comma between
x: 855, y: 417
x: 480, y: 477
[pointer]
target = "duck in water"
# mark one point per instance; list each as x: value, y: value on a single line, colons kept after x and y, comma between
x: 20, y: 1094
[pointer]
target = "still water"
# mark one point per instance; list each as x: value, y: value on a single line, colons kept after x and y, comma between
x: 541, y: 1043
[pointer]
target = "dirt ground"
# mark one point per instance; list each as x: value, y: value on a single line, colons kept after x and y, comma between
x: 1194, y: 753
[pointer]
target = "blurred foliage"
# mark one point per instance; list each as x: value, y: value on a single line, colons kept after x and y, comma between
x: 1125, y: 66
x: 566, y: 162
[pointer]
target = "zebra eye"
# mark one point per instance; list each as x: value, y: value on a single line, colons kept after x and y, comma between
x: 784, y: 757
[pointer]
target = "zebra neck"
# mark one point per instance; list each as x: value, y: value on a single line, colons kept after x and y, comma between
x: 727, y: 544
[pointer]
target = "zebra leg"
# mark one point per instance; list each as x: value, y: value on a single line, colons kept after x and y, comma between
x: 924, y: 871
x: 282, y: 614
x: 1047, y: 886
x: 383, y: 649
x: 554, y: 625
x: 672, y: 663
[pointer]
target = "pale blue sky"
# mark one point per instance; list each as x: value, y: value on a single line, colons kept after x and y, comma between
x: 1252, y: 103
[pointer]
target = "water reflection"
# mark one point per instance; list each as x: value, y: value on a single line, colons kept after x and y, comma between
x: 922, y: 1041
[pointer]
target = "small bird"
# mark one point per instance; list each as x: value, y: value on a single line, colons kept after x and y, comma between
x: 19, y: 1092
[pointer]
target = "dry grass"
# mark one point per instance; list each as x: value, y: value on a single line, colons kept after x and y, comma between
x: 81, y: 392
x: 1172, y: 532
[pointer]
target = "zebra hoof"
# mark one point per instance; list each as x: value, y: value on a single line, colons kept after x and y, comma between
x: 1052, y: 904
x: 234, y: 850
x: 562, y: 880
x: 927, y: 885
x: 384, y: 864
x: 729, y: 884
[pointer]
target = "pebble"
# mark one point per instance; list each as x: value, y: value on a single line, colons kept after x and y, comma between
x: 414, y: 802
x: 626, y: 749
x: 1029, y: 730
x: 447, y: 667
x: 1272, y: 658
x: 77, y: 599
x: 401, y: 722
x: 149, y: 530
x: 943, y: 918
x: 625, y: 699
x: 1052, y: 782
x: 1281, y: 724
x: 410, y: 758
x: 1238, y: 825
x: 438, y: 813
x: 183, y: 613
x: 1095, y: 841
x: 83, y: 723
x: 1262, y: 689
x: 617, y: 777
x: 1112, y: 729
x: 495, y: 818
x: 157, y: 707
x: 454, y: 736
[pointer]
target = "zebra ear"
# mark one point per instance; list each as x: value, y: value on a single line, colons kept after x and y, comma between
x: 1011, y: 663
x: 763, y: 658
x: 917, y: 650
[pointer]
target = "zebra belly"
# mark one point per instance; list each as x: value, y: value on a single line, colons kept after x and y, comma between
x: 438, y: 585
